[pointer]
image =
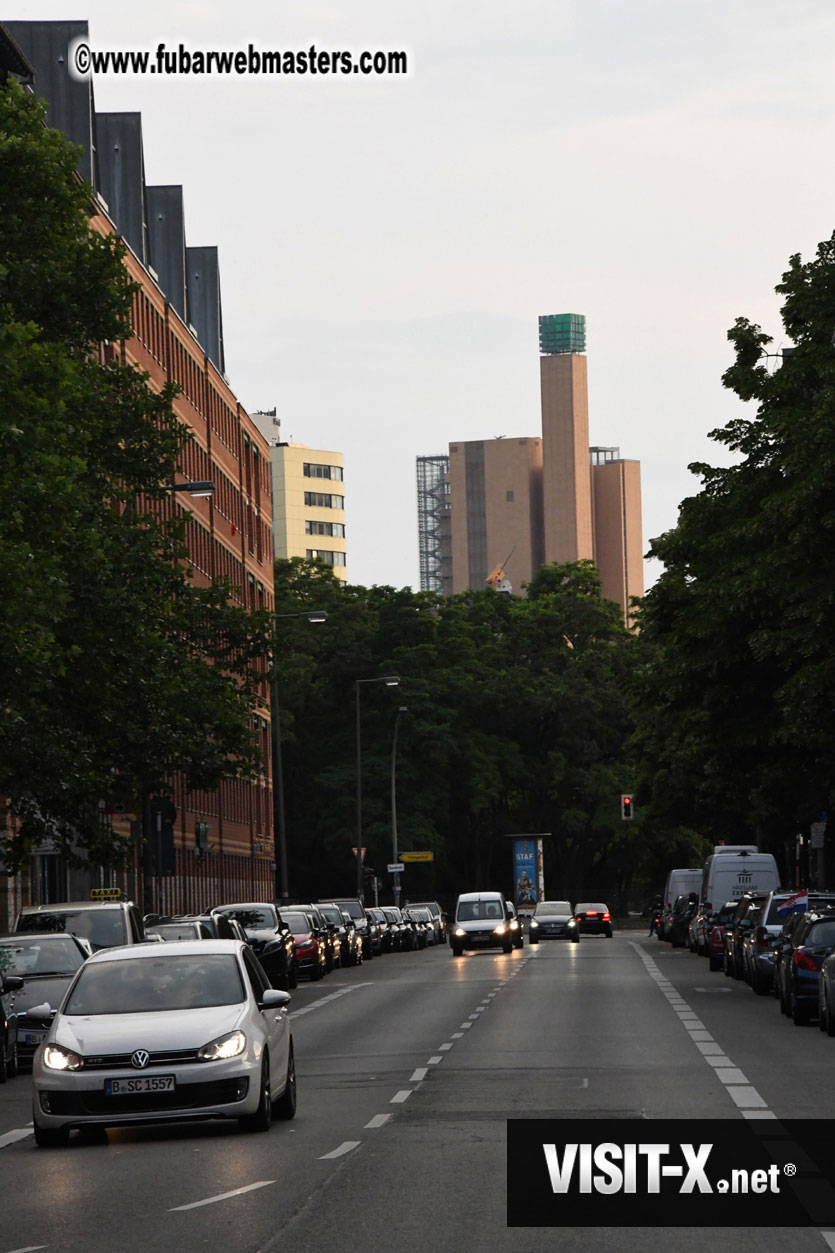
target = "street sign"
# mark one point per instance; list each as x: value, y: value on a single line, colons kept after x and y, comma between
x: 395, y: 867
x: 354, y: 851
x: 417, y: 856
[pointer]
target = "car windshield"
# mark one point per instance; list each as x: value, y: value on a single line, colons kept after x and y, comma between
x: 29, y: 958
x: 592, y: 907
x: 298, y: 923
x: 104, y: 928
x: 148, y: 985
x: 552, y: 907
x: 469, y: 911
x: 725, y: 915
x: 251, y: 917
x: 176, y: 930
x: 331, y: 913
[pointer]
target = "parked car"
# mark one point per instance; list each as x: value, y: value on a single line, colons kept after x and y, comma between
x: 747, y: 909
x: 377, y: 927
x: 347, y: 943
x: 422, y: 925
x: 758, y: 947
x: 812, y: 941
x: 353, y: 906
x: 553, y: 920
x: 437, y: 915
x: 9, y: 985
x: 45, y: 966
x: 311, y: 955
x: 182, y: 1031
x: 271, y: 941
x: 593, y: 918
x: 325, y: 933
x: 717, y: 924
x: 684, y: 910
x: 826, y: 995
x: 104, y: 923
x: 184, y: 929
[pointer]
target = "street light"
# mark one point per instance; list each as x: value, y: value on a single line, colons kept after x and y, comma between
x: 282, y: 885
x: 390, y: 680
x: 394, y: 855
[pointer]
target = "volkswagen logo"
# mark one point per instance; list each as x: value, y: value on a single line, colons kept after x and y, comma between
x: 140, y: 1059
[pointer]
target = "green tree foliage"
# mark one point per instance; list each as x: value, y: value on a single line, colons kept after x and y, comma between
x: 737, y: 693
x: 517, y: 713
x: 116, y: 670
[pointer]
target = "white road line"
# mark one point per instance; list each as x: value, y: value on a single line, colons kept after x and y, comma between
x: 433, y: 1061
x: 829, y: 1237
x: 400, y: 1097
x: 30, y: 1248
x: 419, y: 1075
x: 11, y: 1137
x: 730, y: 1074
x: 347, y: 1146
x: 458, y: 1035
x: 465, y: 1026
x: 223, y: 1196
x: 379, y: 1120
x: 332, y: 996
x: 444, y: 1048
x: 746, y: 1097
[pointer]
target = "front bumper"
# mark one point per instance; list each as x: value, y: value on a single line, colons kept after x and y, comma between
x: 222, y: 1089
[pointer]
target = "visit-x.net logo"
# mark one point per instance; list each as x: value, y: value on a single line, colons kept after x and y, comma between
x: 669, y: 1173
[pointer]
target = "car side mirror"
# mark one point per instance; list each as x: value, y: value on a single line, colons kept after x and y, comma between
x: 273, y: 998
x: 41, y: 1011
x: 11, y: 983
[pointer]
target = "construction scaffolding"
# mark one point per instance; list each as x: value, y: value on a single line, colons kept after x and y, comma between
x: 434, y: 524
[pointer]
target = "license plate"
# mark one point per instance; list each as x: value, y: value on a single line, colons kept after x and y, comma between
x: 141, y: 1083
x: 34, y: 1037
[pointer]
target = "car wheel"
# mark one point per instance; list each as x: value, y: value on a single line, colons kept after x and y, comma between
x: 457, y: 950
x: 507, y: 947
x: 575, y: 939
x: 726, y: 969
x: 799, y: 1013
x: 293, y: 980
x: 285, y: 1106
x: 715, y: 963
x: 823, y: 1015
x: 758, y: 987
x: 3, y: 1064
x: 52, y: 1137
x: 830, y: 1021
x: 533, y: 939
x: 608, y: 935
x: 13, y: 1068
x: 263, y: 1116
x: 317, y: 973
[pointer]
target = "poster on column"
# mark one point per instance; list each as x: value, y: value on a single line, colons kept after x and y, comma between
x: 528, y: 885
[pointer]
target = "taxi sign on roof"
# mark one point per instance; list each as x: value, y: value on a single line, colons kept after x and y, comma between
x: 106, y: 894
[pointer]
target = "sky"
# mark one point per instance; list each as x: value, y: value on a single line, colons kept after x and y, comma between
x: 387, y: 244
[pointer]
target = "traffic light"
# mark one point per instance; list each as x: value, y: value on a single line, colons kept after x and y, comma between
x: 626, y: 806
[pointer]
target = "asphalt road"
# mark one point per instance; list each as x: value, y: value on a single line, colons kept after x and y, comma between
x: 408, y: 1069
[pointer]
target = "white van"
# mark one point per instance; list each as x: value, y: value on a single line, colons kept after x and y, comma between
x: 730, y: 873
x: 482, y: 920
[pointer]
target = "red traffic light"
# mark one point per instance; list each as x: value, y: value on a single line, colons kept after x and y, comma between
x: 625, y: 806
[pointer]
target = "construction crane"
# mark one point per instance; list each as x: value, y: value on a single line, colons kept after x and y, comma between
x: 497, y: 578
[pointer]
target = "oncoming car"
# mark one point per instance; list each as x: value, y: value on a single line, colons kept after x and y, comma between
x: 166, y: 1033
x: 553, y: 920
x: 481, y: 921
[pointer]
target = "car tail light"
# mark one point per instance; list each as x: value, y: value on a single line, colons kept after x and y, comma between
x: 606, y: 918
x: 805, y: 961
x: 591, y: 913
x: 761, y: 937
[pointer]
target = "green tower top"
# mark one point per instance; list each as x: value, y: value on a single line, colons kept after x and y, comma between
x: 562, y: 332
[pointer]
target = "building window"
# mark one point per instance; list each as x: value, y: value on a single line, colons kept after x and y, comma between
x: 323, y: 500
x: 316, y: 470
x: 312, y: 527
x: 326, y: 556
x: 509, y: 497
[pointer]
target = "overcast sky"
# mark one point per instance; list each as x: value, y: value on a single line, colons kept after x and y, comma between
x: 387, y: 244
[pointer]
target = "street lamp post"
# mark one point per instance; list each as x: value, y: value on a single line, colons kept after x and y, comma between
x: 201, y: 488
x: 394, y: 854
x: 282, y: 882
x: 390, y: 680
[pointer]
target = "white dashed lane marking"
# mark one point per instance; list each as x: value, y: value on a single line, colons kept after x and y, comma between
x: 223, y: 1196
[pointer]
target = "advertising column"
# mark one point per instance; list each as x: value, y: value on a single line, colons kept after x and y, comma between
x: 528, y: 879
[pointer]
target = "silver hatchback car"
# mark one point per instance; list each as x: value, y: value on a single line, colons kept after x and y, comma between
x: 162, y: 1033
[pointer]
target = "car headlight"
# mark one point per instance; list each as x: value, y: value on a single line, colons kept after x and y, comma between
x: 231, y: 1045
x: 56, y: 1058
x: 514, y: 925
x: 572, y: 922
x: 500, y: 929
x: 534, y: 923
x: 460, y: 931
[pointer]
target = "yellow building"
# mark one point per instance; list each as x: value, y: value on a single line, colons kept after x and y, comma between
x: 309, y: 505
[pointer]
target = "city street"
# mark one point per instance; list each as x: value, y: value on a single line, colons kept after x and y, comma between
x: 408, y: 1069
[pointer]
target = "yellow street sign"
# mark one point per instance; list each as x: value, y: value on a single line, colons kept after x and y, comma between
x: 417, y: 856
